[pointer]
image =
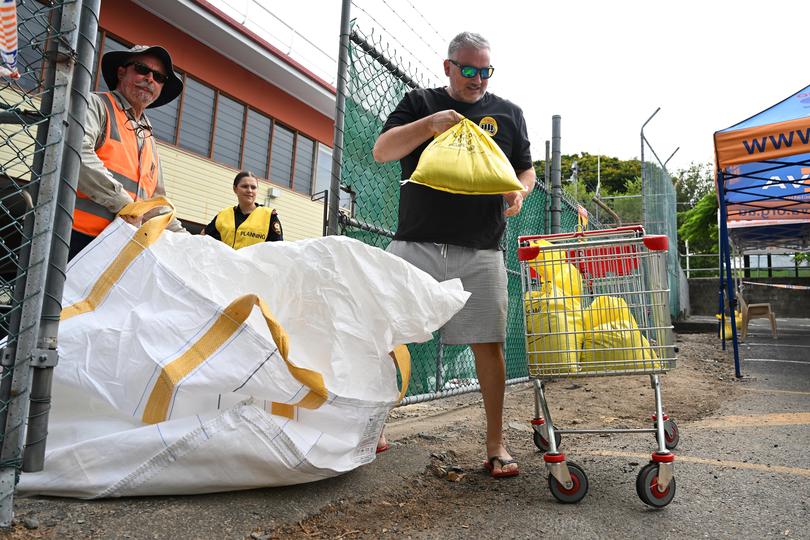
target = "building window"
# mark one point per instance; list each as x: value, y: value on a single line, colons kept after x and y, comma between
x: 196, y: 120
x: 164, y: 121
x: 228, y: 133
x: 258, y: 130
x: 304, y: 162
x: 323, y: 176
x: 281, y: 156
x: 323, y: 172
x: 110, y: 44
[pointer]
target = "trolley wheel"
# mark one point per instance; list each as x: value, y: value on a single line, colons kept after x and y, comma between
x: 542, y: 443
x: 577, y: 491
x: 647, y: 487
x: 671, y: 434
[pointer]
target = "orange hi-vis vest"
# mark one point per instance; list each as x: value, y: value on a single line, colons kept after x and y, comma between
x: 137, y: 170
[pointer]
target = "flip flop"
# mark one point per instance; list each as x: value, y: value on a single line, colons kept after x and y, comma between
x: 383, y: 448
x: 489, y: 465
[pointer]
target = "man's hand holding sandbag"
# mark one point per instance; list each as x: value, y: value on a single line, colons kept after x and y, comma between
x: 443, y: 120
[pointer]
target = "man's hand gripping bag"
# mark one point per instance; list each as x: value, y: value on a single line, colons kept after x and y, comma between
x: 465, y: 160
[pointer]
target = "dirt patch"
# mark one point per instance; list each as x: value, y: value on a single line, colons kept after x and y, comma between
x: 449, y: 433
x: 452, y: 431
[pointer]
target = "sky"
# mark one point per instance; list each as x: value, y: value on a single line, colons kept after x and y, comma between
x: 604, y: 67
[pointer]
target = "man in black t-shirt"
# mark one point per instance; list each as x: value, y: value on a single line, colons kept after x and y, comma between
x: 458, y: 236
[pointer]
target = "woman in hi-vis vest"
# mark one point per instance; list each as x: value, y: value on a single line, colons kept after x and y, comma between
x: 248, y: 222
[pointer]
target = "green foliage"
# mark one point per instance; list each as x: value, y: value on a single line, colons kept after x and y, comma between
x: 614, y: 173
x: 692, y: 183
x: 699, y: 225
x: 801, y: 258
x: 614, y: 176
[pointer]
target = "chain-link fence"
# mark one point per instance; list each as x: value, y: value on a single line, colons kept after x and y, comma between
x: 376, y: 84
x: 41, y: 119
x: 660, y: 217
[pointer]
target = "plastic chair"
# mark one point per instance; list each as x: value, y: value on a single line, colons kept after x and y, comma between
x: 755, y: 311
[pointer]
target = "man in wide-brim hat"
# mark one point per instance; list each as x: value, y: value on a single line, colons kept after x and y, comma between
x: 119, y: 154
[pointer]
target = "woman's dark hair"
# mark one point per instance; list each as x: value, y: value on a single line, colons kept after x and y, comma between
x: 242, y: 174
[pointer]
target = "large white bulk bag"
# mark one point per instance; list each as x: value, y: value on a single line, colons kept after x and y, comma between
x: 188, y: 367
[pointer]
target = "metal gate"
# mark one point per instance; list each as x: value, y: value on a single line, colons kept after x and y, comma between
x: 41, y: 118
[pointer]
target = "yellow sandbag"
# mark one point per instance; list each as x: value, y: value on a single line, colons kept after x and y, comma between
x: 553, y: 332
x: 552, y: 270
x: 465, y: 160
x: 728, y: 330
x: 612, y: 340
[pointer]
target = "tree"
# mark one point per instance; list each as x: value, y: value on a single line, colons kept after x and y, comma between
x: 692, y: 183
x: 699, y: 225
x: 614, y: 173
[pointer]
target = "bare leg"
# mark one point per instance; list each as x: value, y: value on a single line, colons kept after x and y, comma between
x: 491, y: 370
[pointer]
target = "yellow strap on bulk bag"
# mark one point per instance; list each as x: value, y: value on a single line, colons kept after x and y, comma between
x: 226, y: 325
x: 146, y: 235
x: 402, y: 359
x: 465, y: 160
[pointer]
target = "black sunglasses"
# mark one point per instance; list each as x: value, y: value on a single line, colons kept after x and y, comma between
x: 469, y: 72
x: 143, y: 69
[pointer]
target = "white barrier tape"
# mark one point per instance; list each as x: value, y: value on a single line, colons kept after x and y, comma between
x: 779, y: 285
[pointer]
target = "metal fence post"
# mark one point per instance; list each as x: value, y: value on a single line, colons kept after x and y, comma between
x: 547, y: 187
x: 46, y: 169
x: 688, y: 263
x: 340, y: 111
x: 34, y: 454
x: 556, y: 184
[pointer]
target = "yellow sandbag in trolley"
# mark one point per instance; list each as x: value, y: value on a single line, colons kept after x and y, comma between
x: 612, y: 340
x: 551, y: 270
x: 465, y: 160
x: 553, y: 332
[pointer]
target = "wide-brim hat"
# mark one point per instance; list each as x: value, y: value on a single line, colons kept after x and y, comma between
x: 112, y: 60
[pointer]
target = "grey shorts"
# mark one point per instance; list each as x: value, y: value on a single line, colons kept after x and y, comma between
x: 482, y: 273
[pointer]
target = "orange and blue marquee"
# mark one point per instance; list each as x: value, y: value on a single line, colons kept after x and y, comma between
x: 764, y: 165
x: 763, y: 188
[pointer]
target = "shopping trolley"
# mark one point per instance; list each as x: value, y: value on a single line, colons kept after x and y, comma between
x: 596, y: 304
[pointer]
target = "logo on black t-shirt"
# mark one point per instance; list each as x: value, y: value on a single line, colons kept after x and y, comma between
x: 489, y: 125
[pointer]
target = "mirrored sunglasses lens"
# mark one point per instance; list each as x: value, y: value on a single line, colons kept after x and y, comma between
x: 486, y: 73
x: 468, y: 71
